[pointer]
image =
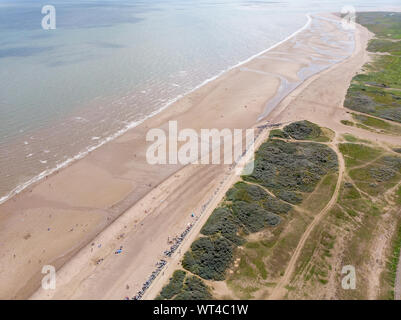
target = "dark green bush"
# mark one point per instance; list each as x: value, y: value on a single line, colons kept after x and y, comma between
x: 224, y: 223
x: 381, y: 174
x: 283, y: 167
x: 379, y: 45
x: 242, y: 191
x: 253, y: 217
x: 209, y: 257
x: 174, y: 286
x: 392, y: 162
x: 194, y: 289
x: 276, y: 206
x: 289, y: 196
x: 277, y: 133
x: 303, y: 130
x: 358, y: 101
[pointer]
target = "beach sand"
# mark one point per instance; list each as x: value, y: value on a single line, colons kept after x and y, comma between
x: 77, y: 218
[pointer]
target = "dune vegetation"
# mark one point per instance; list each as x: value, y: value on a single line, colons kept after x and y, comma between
x: 377, y: 90
x: 285, y: 174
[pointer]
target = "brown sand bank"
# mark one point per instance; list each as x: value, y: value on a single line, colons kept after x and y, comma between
x: 57, y: 220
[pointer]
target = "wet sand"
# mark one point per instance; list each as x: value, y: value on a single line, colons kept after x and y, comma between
x: 77, y: 218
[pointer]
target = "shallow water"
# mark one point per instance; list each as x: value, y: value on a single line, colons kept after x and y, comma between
x: 111, y: 64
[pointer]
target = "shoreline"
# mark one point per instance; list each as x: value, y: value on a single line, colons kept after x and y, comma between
x: 82, y: 154
x: 168, y: 204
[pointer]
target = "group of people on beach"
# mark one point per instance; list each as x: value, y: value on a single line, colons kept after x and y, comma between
x: 159, y: 266
x: 178, y: 240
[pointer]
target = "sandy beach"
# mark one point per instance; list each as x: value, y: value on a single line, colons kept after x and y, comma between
x: 77, y: 218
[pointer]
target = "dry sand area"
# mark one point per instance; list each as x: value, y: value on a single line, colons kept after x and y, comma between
x: 77, y: 218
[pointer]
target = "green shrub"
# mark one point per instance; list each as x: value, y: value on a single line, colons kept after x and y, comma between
x: 194, y: 289
x: 277, y: 133
x: 347, y: 123
x: 283, y: 167
x: 380, y: 45
x: 276, y: 206
x: 381, y: 174
x: 209, y: 257
x: 290, y: 196
x: 174, y: 286
x: 224, y: 223
x: 303, y: 130
x: 242, y: 191
x: 253, y: 217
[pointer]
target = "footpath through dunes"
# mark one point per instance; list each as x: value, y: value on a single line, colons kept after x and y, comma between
x: 117, y: 177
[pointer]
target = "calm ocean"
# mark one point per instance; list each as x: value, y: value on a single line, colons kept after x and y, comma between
x: 110, y: 64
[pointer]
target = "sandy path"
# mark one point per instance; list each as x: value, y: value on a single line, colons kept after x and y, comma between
x: 397, y: 285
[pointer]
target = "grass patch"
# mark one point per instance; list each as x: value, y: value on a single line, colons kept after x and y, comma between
x: 392, y: 263
x: 379, y: 176
x: 277, y: 133
x: 376, y: 124
x: 372, y: 122
x: 356, y: 154
x: 350, y: 138
x: 383, y: 24
x: 377, y: 90
x: 347, y: 123
x: 380, y: 45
